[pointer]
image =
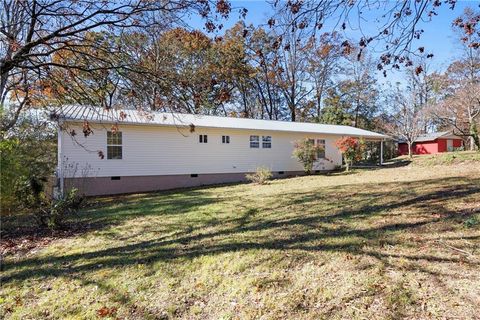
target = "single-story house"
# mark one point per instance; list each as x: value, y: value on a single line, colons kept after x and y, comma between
x: 432, y: 143
x: 125, y: 151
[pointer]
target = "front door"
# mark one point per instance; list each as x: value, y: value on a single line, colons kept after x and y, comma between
x: 449, y: 145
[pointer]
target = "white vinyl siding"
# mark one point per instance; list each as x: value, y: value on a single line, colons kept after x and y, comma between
x: 157, y: 150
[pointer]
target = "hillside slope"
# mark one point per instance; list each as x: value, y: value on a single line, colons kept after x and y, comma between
x: 386, y: 243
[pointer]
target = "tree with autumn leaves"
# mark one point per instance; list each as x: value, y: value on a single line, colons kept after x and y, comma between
x: 98, y: 87
x: 457, y: 90
x: 40, y: 39
x: 197, y: 73
x: 109, y: 52
x: 352, y: 150
x: 137, y: 55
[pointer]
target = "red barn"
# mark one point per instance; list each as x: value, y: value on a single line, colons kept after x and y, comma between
x: 431, y: 143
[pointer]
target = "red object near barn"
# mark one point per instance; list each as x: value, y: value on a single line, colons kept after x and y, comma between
x: 432, y: 143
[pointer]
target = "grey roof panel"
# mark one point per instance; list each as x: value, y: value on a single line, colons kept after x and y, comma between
x: 430, y: 136
x: 93, y: 114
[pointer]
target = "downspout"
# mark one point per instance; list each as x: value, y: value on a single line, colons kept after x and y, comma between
x: 60, y: 159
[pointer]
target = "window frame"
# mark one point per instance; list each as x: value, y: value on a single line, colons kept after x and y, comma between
x: 114, y: 142
x: 202, y: 138
x: 324, y: 146
x: 254, y: 143
x: 267, y: 142
x: 225, y: 139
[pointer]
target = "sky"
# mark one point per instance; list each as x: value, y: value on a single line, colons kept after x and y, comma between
x: 438, y: 37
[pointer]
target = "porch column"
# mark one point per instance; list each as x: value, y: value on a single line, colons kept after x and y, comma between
x: 381, y: 152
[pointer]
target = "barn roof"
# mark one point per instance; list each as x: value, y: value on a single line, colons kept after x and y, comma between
x: 94, y: 114
x: 433, y: 136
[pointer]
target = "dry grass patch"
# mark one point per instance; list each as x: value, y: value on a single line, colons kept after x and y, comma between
x: 390, y: 243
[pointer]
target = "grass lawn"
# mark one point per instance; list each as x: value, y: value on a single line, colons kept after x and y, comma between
x: 399, y: 242
x: 444, y: 158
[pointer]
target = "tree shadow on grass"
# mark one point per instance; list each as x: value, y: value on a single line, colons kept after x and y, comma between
x: 165, y: 203
x: 100, y: 213
x: 330, y: 227
x: 307, y: 231
x: 396, y: 163
x: 392, y: 163
x: 360, y: 167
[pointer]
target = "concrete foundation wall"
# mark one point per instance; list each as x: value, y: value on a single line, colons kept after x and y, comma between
x: 134, y: 184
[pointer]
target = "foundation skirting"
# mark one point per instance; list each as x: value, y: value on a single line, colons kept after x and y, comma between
x: 96, y: 186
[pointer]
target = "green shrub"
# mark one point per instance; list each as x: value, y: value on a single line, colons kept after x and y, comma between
x: 472, y: 222
x: 449, y: 158
x: 260, y: 176
x: 27, y: 159
x: 306, y: 153
x: 52, y: 214
x: 11, y: 174
x: 24, y: 173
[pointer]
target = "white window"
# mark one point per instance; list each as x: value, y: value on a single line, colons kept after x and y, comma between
x: 254, y: 142
x: 114, y: 145
x: 266, y: 142
x: 321, y: 152
x: 203, y: 138
x: 225, y: 139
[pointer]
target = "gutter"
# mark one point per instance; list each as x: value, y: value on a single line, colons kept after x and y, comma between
x: 378, y: 136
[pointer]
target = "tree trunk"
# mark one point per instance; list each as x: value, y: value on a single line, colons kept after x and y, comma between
x: 410, y: 153
x: 474, y: 135
x: 319, y: 100
x: 471, y: 143
x: 476, y: 140
x: 263, y: 100
x: 291, y: 106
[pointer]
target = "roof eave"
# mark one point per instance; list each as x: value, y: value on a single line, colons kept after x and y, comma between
x: 370, y: 137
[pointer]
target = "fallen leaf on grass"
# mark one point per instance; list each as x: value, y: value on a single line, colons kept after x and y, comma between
x: 105, y: 312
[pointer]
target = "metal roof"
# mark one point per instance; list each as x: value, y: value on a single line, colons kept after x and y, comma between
x: 432, y: 136
x: 128, y: 116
